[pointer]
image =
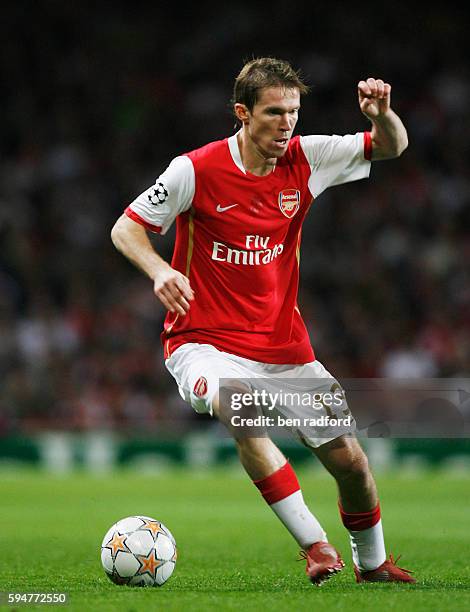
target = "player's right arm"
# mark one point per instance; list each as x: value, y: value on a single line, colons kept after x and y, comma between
x: 155, y: 210
x: 170, y: 286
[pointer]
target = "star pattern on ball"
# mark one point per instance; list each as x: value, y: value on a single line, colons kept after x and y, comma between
x: 154, y: 527
x: 175, y: 556
x: 157, y: 194
x: 148, y: 564
x: 117, y: 543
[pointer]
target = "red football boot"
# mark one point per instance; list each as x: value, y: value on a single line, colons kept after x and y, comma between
x: 323, y: 561
x: 387, y: 572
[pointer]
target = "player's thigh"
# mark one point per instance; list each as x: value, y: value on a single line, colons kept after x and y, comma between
x: 227, y: 402
x: 204, y: 375
x: 312, y: 404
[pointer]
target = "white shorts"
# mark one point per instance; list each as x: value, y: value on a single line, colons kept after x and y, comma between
x: 199, y: 368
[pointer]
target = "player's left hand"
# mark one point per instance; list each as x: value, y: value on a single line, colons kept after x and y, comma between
x: 374, y: 97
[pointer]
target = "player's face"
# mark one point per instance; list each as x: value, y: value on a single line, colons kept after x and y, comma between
x: 273, y: 119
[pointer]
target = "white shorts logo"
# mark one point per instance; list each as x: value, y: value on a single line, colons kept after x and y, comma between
x: 200, y: 387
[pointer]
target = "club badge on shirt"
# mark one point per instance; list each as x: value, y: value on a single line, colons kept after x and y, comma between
x: 289, y: 202
x: 200, y: 387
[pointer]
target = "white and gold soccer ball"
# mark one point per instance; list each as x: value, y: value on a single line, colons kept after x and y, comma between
x: 138, y: 551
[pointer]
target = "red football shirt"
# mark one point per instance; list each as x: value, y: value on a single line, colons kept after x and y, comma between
x: 238, y: 238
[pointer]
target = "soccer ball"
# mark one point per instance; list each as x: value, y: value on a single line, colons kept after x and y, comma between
x: 139, y: 551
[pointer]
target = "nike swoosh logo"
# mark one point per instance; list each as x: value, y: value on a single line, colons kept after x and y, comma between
x: 224, y: 208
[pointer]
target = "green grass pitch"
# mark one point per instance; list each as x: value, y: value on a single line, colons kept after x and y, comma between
x: 233, y: 554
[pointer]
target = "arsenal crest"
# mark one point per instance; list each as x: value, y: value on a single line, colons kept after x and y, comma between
x: 289, y: 202
x: 200, y: 387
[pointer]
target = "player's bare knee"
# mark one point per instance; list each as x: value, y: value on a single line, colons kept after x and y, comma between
x: 355, y: 469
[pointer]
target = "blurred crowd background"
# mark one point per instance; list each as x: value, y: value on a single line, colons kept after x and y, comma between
x: 98, y: 98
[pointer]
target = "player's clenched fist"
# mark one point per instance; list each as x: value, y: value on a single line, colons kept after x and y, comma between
x: 173, y: 290
x: 374, y: 97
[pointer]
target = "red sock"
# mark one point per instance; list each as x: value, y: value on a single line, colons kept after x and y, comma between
x: 357, y: 521
x: 282, y: 492
x: 366, y: 536
x: 279, y: 485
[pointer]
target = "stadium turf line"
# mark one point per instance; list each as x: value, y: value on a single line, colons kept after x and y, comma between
x: 233, y: 554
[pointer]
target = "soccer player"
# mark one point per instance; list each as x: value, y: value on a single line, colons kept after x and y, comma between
x: 231, y: 289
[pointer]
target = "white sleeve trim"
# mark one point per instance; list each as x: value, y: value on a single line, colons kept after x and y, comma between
x: 170, y: 195
x: 334, y: 160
